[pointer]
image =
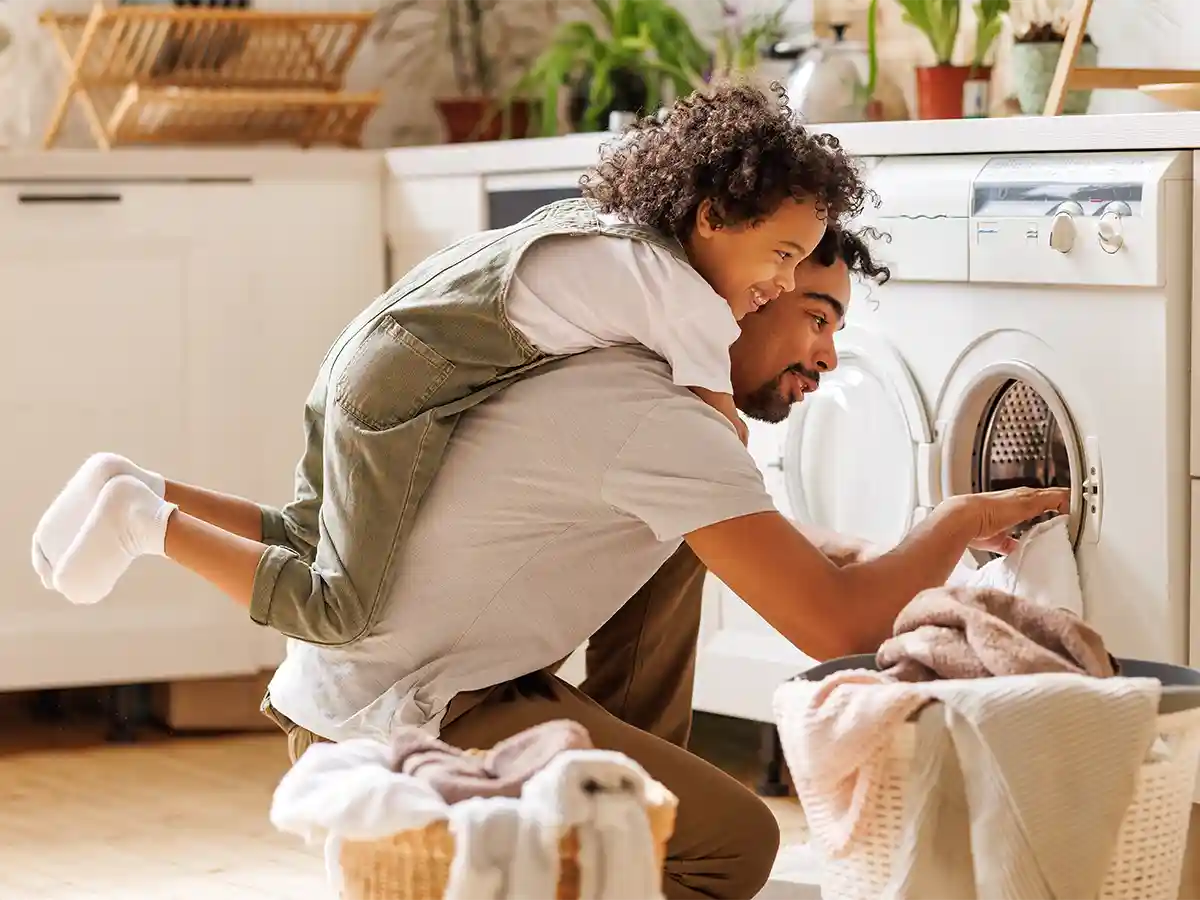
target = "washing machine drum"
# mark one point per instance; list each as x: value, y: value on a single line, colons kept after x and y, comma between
x: 1019, y: 442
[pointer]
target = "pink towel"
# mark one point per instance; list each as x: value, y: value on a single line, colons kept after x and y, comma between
x: 970, y: 632
x: 840, y: 729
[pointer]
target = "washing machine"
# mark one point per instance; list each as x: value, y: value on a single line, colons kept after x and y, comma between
x: 1035, y: 331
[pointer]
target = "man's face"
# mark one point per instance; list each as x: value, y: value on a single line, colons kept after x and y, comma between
x: 786, y: 346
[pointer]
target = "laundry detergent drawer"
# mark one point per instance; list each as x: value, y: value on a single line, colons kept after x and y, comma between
x: 926, y: 249
x: 924, y: 209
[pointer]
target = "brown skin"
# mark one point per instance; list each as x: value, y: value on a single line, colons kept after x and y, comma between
x: 786, y: 346
x: 750, y: 264
x: 829, y: 594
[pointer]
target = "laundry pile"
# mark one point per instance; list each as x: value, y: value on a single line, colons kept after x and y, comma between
x: 507, y: 809
x: 1026, y: 748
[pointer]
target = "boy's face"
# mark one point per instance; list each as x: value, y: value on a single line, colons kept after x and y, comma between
x: 752, y: 263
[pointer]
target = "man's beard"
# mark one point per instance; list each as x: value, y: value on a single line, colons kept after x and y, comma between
x: 767, y: 403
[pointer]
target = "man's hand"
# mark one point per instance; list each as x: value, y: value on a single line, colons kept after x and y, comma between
x: 992, y: 515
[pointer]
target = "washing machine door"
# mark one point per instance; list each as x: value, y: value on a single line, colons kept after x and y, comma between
x: 1004, y: 423
x: 857, y: 452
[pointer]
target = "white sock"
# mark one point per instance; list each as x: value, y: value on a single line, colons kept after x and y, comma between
x: 61, y: 522
x: 128, y: 520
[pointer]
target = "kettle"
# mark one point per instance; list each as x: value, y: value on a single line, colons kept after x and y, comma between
x: 829, y: 82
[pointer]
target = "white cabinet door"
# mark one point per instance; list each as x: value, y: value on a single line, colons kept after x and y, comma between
x: 742, y: 659
x: 426, y: 214
x: 112, y: 299
x: 319, y: 263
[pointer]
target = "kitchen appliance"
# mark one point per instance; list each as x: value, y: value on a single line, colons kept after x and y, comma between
x: 828, y: 83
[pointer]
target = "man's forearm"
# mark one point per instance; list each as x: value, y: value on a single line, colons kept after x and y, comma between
x: 840, y: 549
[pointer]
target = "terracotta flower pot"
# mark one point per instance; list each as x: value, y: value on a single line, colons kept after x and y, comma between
x: 474, y: 119
x: 941, y: 89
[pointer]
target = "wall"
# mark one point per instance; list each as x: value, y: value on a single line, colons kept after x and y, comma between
x: 412, y: 69
x: 1128, y: 33
x: 412, y: 72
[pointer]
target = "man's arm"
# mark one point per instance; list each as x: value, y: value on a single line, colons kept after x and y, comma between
x: 684, y: 474
x: 827, y: 610
x: 839, y: 549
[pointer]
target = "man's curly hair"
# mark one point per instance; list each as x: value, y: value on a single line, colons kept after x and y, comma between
x: 741, y: 149
x: 850, y: 246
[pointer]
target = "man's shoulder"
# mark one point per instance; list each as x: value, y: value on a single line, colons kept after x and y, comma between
x: 627, y: 376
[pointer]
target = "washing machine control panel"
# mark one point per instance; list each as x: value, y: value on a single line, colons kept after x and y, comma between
x: 1082, y: 219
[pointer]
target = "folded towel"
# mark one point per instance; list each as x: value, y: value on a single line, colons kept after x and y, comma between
x: 500, y: 772
x: 965, y: 632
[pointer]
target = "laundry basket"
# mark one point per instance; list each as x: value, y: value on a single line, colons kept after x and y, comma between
x: 1148, y: 862
x: 415, y: 864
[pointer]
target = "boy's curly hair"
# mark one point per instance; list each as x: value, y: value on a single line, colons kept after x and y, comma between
x: 743, y: 150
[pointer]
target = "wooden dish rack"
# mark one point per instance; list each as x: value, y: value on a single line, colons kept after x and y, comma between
x: 162, y: 75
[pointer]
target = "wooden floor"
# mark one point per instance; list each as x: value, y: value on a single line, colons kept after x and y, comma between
x: 183, y: 818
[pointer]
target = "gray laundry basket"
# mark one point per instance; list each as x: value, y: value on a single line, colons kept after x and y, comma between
x: 1148, y: 861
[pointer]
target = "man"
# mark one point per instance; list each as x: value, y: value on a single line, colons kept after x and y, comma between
x: 559, y: 514
x: 562, y: 497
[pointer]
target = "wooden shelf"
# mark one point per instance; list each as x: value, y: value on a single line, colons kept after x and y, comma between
x: 214, y: 116
x: 167, y: 75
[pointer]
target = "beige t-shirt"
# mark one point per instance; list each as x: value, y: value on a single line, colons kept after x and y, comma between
x: 557, y: 500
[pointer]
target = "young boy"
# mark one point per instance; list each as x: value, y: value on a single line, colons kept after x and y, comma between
x: 720, y: 201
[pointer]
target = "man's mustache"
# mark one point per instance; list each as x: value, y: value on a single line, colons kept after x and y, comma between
x: 801, y: 369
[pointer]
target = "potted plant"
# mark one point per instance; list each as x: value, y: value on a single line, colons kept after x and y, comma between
x: 744, y: 38
x: 624, y: 63
x: 941, y: 88
x: 989, y: 21
x: 483, y: 44
x: 1035, y: 54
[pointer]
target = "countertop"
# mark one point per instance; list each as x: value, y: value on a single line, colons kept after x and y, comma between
x: 191, y: 164
x: 1017, y: 134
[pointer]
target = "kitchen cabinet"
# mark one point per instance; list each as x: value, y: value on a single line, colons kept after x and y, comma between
x: 179, y: 322
x: 426, y: 214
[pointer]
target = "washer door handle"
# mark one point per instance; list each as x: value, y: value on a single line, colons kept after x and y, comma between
x: 1092, y: 488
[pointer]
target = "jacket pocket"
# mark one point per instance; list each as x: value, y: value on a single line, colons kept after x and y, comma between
x: 390, y: 377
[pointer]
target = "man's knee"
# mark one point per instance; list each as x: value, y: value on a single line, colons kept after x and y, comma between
x: 758, y: 847
x: 737, y: 839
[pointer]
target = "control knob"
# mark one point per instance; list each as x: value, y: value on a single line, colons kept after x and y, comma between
x: 1062, y: 232
x: 1109, y: 230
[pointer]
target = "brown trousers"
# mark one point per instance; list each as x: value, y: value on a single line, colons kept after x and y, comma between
x: 637, y: 700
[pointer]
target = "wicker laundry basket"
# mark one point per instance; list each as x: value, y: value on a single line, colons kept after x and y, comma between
x: 1148, y: 863
x: 415, y: 864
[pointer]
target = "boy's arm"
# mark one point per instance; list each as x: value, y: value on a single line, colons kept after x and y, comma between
x: 723, y: 403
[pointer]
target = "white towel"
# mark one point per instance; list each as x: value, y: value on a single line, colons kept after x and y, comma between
x: 349, y: 791
x: 1026, y: 777
x: 603, y: 795
x: 485, y: 833
x: 1042, y: 569
x: 505, y: 849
